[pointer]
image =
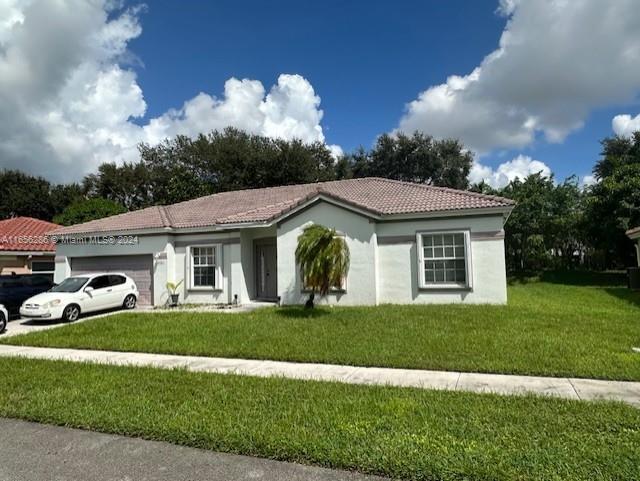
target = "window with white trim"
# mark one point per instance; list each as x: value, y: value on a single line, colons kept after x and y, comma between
x: 204, y: 266
x: 444, y: 259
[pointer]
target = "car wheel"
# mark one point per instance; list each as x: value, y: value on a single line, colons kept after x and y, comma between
x: 71, y: 313
x: 129, y: 302
x: 3, y: 322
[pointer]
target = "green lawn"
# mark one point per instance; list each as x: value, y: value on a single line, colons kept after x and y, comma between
x: 548, y: 328
x: 404, y: 433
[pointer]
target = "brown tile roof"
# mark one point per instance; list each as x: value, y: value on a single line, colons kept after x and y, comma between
x: 380, y: 197
x: 26, y: 234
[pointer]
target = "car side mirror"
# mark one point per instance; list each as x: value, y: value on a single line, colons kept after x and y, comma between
x: 88, y: 289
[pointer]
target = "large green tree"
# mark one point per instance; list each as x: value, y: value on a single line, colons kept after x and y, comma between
x: 87, y: 210
x: 415, y: 158
x: 184, y: 168
x: 614, y: 201
x: 547, y: 226
x: 22, y: 194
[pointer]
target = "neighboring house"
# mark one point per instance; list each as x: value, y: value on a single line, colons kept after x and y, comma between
x: 25, y: 247
x: 634, y: 234
x: 409, y: 243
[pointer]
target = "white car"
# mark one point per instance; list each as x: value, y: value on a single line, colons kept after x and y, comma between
x: 81, y: 294
x: 4, y: 318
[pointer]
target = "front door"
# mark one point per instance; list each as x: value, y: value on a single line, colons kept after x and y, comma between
x: 266, y: 275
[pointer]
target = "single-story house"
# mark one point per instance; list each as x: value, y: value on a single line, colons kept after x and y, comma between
x: 25, y: 247
x: 634, y: 234
x: 409, y: 243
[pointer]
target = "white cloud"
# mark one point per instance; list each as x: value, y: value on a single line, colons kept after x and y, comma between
x: 588, y: 180
x: 625, y: 125
x: 69, y: 97
x: 557, y: 60
x: 519, y: 167
x: 290, y: 110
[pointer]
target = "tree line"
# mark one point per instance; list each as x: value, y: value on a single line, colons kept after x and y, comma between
x: 554, y: 224
x: 563, y: 225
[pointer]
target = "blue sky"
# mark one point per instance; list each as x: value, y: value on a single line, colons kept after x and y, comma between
x: 365, y: 63
x: 539, y: 99
x: 365, y: 60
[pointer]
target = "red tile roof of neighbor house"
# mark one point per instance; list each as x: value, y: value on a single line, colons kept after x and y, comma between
x: 379, y: 197
x: 26, y: 234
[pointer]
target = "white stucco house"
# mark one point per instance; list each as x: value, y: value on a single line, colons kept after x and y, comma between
x: 409, y: 243
x: 634, y: 235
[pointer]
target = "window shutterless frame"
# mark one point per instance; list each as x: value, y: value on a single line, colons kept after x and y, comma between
x: 429, y: 237
x: 202, y: 252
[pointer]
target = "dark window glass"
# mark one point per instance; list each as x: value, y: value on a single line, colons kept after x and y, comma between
x: 100, y: 282
x: 116, y: 280
x: 43, y: 266
x: 204, y: 266
x: 70, y: 284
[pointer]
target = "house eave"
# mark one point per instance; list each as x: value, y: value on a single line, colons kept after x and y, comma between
x: 27, y: 253
x: 480, y: 211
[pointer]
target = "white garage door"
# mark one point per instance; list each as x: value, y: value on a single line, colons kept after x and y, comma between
x: 139, y: 268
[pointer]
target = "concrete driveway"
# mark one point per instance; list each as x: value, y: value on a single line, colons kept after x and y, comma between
x: 24, y: 326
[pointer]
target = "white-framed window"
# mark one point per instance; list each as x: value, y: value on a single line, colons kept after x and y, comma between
x: 204, y: 264
x: 443, y: 259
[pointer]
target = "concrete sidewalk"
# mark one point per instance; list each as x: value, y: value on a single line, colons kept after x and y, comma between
x: 570, y: 388
x: 38, y: 452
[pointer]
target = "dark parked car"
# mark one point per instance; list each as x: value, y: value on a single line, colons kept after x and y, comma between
x: 15, y: 289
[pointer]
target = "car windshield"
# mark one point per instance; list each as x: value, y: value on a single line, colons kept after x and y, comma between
x: 70, y: 284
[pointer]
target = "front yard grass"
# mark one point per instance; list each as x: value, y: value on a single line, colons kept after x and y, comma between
x: 547, y: 329
x: 404, y: 433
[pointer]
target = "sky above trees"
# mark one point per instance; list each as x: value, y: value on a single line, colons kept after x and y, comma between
x: 527, y: 85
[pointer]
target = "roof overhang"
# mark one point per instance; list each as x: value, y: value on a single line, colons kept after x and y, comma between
x: 27, y: 253
x: 504, y: 211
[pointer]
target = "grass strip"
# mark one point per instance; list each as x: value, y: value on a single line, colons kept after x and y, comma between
x: 547, y: 329
x: 403, y: 433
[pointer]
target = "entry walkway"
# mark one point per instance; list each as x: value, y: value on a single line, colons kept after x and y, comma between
x: 570, y: 388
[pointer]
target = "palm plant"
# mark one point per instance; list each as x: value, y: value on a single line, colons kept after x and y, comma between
x: 323, y: 257
x: 173, y: 292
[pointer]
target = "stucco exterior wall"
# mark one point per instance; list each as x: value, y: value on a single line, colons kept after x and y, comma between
x: 229, y: 244
x: 383, y: 269
x: 360, y: 236
x: 21, y: 263
x: 11, y: 263
x: 398, y: 262
x: 384, y: 259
